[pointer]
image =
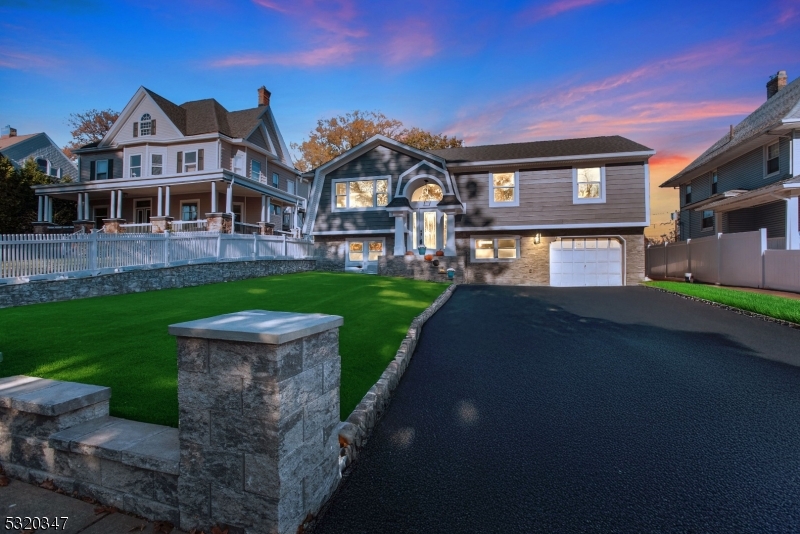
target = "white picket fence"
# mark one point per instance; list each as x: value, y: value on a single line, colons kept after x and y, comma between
x: 26, y: 257
x: 745, y: 259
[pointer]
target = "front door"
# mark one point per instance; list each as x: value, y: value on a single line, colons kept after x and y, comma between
x: 362, y: 255
x: 142, y: 211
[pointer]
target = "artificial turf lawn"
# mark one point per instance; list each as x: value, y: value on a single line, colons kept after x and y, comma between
x: 122, y: 341
x: 770, y: 305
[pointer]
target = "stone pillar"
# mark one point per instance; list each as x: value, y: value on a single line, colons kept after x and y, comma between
x: 266, y: 228
x: 258, y: 396
x: 220, y: 222
x: 111, y: 226
x: 160, y: 224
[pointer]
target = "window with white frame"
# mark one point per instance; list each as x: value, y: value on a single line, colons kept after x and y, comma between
x: 588, y: 185
x: 189, y: 211
x: 495, y: 248
x: 144, y: 124
x: 43, y: 165
x: 156, y: 164
x: 361, y: 193
x: 190, y: 161
x: 290, y: 187
x: 135, y: 167
x: 255, y: 170
x: 503, y: 189
x: 773, y: 158
x: 238, y: 163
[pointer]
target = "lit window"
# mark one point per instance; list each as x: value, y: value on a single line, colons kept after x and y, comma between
x: 504, y: 189
x: 589, y: 184
x: 156, y: 164
x: 773, y: 159
x: 361, y: 193
x: 144, y: 124
x: 375, y: 250
x: 496, y: 248
x: 255, y: 170
x: 708, y: 219
x: 136, y: 166
x: 427, y: 193
x: 101, y: 169
x: 356, y: 251
x: 189, y: 162
x: 429, y: 229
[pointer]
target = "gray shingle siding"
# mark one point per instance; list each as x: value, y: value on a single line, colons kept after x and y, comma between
x: 39, y: 146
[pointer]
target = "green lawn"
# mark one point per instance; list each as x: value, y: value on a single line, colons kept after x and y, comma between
x: 122, y: 341
x: 773, y: 306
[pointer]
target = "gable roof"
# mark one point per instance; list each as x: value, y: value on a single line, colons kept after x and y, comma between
x: 10, y: 141
x: 785, y: 104
x: 541, y: 149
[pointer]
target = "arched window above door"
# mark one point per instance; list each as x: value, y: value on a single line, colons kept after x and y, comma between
x: 427, y: 193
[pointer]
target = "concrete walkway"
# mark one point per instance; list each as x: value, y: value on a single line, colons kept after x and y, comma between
x: 19, y: 499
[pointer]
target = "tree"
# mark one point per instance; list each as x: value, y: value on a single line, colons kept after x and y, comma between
x: 337, y: 135
x: 89, y: 127
x: 18, y: 203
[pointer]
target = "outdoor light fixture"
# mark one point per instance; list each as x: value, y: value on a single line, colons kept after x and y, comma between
x: 537, y: 239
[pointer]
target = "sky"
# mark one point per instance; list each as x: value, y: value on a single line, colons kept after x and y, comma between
x: 672, y: 75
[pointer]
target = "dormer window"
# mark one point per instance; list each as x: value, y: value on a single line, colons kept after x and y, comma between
x: 145, y: 126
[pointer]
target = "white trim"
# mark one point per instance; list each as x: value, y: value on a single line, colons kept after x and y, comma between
x: 189, y: 201
x: 497, y: 204
x: 623, y: 242
x: 602, y: 199
x: 150, y: 154
x: 766, y: 158
x: 350, y: 265
x: 412, y: 169
x: 494, y: 238
x: 375, y: 207
x: 355, y: 232
x: 368, y: 145
x: 127, y: 112
x: 640, y: 224
x: 284, y: 150
x: 645, y: 153
x: 127, y: 163
x: 149, y: 208
x: 420, y: 177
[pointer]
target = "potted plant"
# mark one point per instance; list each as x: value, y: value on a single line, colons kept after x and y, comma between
x: 440, y: 252
x: 422, y: 248
x: 451, y: 273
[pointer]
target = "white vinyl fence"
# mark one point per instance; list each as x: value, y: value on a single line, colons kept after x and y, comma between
x: 742, y: 259
x: 27, y: 257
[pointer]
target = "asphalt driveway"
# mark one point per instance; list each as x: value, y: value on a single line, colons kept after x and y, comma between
x: 584, y: 410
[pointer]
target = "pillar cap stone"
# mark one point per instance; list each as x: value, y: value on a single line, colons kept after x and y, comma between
x: 258, y: 326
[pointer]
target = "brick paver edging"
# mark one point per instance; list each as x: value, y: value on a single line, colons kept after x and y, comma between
x: 354, y: 432
x: 729, y: 308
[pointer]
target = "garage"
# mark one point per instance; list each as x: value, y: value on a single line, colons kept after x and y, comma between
x: 586, y: 261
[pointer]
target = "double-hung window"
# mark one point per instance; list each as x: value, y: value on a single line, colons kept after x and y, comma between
x: 275, y: 179
x: 588, y: 185
x: 361, y: 193
x: 101, y: 169
x: 255, y: 170
x: 714, y: 183
x: 773, y: 158
x: 503, y: 189
x: 189, y: 161
x: 687, y: 197
x: 708, y: 219
x: 290, y: 187
x: 135, y: 168
x: 156, y: 164
x: 495, y: 248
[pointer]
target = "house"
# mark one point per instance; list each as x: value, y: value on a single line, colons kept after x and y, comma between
x: 193, y: 166
x: 39, y: 147
x: 564, y: 213
x: 750, y: 178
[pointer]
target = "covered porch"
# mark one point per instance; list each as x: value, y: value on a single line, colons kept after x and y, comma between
x: 217, y: 201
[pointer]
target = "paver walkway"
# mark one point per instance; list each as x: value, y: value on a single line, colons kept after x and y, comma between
x: 584, y: 410
x: 25, y: 500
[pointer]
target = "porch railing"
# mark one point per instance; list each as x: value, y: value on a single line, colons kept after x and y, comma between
x: 189, y: 226
x: 245, y: 228
x: 137, y: 228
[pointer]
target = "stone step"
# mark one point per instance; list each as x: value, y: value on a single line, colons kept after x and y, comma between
x: 48, y: 397
x: 143, y: 445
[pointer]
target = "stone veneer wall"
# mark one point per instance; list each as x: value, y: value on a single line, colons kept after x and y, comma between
x: 136, y: 281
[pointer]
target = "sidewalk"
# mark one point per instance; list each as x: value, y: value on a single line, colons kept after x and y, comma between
x: 22, y: 500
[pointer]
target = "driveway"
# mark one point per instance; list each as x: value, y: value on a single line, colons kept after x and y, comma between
x: 584, y: 410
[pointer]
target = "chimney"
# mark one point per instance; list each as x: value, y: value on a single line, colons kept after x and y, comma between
x: 8, y: 131
x: 263, y: 96
x: 776, y: 83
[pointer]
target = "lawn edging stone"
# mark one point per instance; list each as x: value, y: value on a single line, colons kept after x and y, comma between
x: 356, y: 429
x: 734, y: 309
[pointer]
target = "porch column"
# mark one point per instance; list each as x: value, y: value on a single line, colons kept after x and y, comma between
x: 269, y: 210
x: 113, y: 207
x: 49, y: 208
x: 229, y: 199
x: 86, y: 206
x: 450, y: 238
x: 166, y: 203
x: 40, y: 213
x: 400, y: 234
x: 80, y: 207
x: 213, y: 197
x: 263, y: 208
x: 294, y: 217
x: 792, y: 225
x: 119, y: 203
x: 412, y: 243
x: 160, y: 201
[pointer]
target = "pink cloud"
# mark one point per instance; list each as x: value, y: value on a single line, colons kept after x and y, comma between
x: 12, y: 59
x: 336, y: 54
x: 410, y: 40
x: 556, y: 8
x: 789, y: 11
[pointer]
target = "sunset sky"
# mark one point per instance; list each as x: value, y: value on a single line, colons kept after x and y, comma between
x: 672, y: 75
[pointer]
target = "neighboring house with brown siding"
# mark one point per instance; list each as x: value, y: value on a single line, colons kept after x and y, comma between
x: 563, y: 213
x: 186, y: 167
x: 750, y: 178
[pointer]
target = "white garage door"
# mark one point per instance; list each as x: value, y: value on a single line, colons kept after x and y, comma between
x: 583, y: 261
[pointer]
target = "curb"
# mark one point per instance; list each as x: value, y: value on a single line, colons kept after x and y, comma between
x: 356, y: 429
x: 740, y: 311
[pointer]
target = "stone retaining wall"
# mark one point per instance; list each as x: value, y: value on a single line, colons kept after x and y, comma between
x: 136, y: 281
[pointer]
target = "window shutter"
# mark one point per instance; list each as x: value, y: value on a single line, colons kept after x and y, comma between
x: 180, y: 161
x: 199, y: 159
x: 153, y: 127
x: 136, y: 129
x: 110, y: 169
x: 91, y: 170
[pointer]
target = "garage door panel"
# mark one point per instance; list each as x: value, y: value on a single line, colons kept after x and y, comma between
x: 586, y: 262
